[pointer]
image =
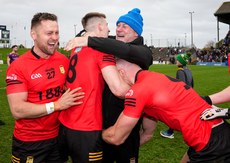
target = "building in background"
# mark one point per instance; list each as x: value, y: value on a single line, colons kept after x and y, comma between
x: 4, y: 36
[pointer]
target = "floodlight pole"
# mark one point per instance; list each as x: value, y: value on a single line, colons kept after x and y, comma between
x: 185, y: 39
x: 25, y: 35
x: 218, y: 29
x: 151, y: 37
x: 191, y: 28
x: 75, y: 29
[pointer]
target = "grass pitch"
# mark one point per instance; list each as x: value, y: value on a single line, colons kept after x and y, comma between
x: 207, y: 79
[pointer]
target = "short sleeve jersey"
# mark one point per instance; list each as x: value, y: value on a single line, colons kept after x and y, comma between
x: 43, y: 80
x: 174, y: 103
x: 13, y: 57
x: 85, y: 72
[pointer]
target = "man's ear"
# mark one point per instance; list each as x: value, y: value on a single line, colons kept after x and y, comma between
x: 99, y: 27
x: 33, y: 34
x: 122, y: 73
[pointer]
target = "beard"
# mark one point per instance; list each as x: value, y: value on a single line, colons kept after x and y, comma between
x: 47, y: 49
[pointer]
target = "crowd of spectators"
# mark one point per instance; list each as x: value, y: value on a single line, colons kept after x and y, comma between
x: 215, y: 54
x: 211, y: 54
x: 172, y: 52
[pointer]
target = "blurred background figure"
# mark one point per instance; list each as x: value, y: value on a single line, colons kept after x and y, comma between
x: 184, y: 74
x: 12, y: 56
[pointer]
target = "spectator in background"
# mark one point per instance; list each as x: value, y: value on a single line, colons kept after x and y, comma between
x: 183, y: 73
x: 12, y: 56
x: 227, y: 39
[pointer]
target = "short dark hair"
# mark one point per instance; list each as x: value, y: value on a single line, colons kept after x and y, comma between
x: 14, y: 46
x: 42, y: 16
x: 85, y: 19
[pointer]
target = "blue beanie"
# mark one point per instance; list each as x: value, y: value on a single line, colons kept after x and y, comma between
x: 133, y: 19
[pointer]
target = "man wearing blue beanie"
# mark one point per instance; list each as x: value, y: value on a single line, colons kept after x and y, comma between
x: 129, y: 30
x: 129, y: 46
x: 134, y: 19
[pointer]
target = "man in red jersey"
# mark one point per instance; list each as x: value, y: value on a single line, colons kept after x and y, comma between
x: 176, y: 104
x: 128, y: 45
x: 35, y: 87
x: 80, y: 132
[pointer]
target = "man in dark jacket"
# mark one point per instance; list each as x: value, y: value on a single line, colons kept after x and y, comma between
x: 129, y: 46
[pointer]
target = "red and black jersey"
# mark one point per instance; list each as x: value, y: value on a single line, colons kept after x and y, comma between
x: 43, y: 80
x: 85, y: 71
x: 173, y: 102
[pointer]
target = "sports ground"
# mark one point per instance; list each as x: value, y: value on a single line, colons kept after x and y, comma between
x: 207, y: 79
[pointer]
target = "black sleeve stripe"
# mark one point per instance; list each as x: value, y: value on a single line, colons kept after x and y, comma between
x: 130, y: 102
x: 11, y: 82
x: 130, y: 99
x: 130, y: 105
x: 108, y: 58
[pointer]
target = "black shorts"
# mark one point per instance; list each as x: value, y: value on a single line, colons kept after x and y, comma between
x: 81, y: 146
x: 217, y: 149
x: 36, y: 151
x: 125, y: 153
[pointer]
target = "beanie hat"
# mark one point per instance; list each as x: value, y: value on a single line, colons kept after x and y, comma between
x: 134, y: 19
x: 183, y: 58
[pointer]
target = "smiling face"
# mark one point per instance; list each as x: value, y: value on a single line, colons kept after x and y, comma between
x: 46, y: 38
x: 125, y: 33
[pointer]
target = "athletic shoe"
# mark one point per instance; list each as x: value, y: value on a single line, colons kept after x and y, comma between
x: 167, y: 134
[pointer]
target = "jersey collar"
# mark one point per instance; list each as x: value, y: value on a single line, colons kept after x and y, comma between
x: 137, y: 75
x: 34, y: 54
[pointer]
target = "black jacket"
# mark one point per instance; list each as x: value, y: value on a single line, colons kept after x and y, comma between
x: 134, y: 52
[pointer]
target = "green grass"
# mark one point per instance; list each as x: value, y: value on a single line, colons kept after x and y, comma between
x: 208, y: 80
x: 5, y: 51
x: 5, y: 115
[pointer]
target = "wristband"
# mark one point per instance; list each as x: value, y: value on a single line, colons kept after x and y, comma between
x: 50, y: 107
x: 207, y: 99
